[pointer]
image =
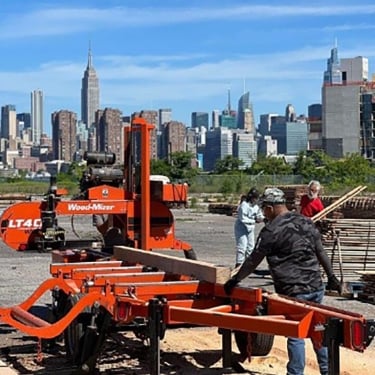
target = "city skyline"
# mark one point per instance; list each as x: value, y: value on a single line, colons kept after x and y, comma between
x: 179, y: 55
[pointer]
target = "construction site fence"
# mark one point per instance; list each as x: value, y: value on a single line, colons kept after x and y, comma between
x: 241, y: 183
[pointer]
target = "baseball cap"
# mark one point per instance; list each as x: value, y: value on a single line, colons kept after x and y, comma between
x: 272, y: 196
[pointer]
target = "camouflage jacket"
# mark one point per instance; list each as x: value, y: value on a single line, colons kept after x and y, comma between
x: 292, y: 246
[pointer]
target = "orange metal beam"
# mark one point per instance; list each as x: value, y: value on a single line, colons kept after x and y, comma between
x: 292, y: 307
x: 47, y: 331
x: 90, y: 273
x: 64, y: 269
x: 277, y: 325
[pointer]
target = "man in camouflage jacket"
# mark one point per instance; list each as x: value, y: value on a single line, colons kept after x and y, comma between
x: 292, y: 246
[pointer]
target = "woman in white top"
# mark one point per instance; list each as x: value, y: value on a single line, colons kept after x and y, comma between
x: 248, y: 214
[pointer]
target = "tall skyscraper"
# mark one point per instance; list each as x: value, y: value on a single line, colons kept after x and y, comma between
x: 341, y: 109
x: 219, y: 144
x: 292, y: 137
x: 290, y: 114
x: 151, y: 117
x: 354, y: 69
x: 25, y: 118
x: 89, y: 93
x: 215, y: 117
x: 267, y: 121
x: 199, y: 119
x: 64, y: 125
x: 315, y: 126
x: 333, y: 73
x: 8, y: 122
x: 172, y: 139
x: 165, y: 115
x: 110, y: 133
x: 37, y: 119
x: 244, y: 147
x: 245, y: 114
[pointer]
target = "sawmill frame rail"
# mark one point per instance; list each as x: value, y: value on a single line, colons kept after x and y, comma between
x: 163, y: 291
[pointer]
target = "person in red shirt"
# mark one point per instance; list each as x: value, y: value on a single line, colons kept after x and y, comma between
x: 311, y: 204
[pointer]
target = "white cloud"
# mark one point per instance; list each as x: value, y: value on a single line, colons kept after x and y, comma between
x: 201, y: 74
x: 60, y: 21
x: 160, y: 77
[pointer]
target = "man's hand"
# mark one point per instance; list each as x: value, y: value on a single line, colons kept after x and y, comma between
x: 334, y: 284
x: 229, y: 285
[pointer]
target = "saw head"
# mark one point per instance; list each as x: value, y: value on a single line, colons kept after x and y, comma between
x: 21, y: 225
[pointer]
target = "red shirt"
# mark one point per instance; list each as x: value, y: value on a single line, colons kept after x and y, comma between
x: 310, y: 207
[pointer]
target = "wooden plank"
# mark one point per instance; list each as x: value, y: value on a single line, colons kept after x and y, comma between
x: 339, y: 202
x: 200, y: 270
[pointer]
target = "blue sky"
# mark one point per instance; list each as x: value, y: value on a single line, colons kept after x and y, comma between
x: 179, y: 54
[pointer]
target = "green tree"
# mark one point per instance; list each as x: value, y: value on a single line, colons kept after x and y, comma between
x: 181, y: 165
x: 161, y: 167
x: 305, y: 166
x: 353, y: 169
x: 315, y: 165
x: 76, y: 170
x: 228, y: 165
x: 271, y: 165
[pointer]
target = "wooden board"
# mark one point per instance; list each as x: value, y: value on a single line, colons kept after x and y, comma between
x: 200, y: 270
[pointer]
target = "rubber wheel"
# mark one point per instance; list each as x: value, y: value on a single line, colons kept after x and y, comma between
x: 83, y: 341
x: 55, y: 313
x: 260, y: 344
x: 74, y: 333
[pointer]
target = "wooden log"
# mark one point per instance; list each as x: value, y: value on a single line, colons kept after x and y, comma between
x: 15, y: 197
x: 200, y: 270
x: 366, y: 273
x: 339, y: 202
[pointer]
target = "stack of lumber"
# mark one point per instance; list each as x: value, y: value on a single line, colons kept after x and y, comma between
x: 338, y: 203
x: 222, y: 208
x: 355, y: 208
x: 293, y: 194
x: 368, y: 290
x: 350, y: 244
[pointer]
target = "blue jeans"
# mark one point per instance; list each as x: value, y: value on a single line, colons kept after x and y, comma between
x: 296, y: 347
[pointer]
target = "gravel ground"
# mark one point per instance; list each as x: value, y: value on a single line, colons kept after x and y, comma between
x: 210, y: 235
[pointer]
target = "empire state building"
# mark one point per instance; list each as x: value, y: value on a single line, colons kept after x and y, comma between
x: 89, y: 93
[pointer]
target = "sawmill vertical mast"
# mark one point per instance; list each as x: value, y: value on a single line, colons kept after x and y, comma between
x: 137, y: 172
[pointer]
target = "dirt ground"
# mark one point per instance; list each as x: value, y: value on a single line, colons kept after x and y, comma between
x: 184, y: 351
x: 202, y: 349
x: 193, y: 350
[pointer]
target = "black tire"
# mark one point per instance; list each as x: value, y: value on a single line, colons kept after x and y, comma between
x: 56, y: 312
x: 261, y: 343
x: 74, y: 333
x: 83, y: 341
